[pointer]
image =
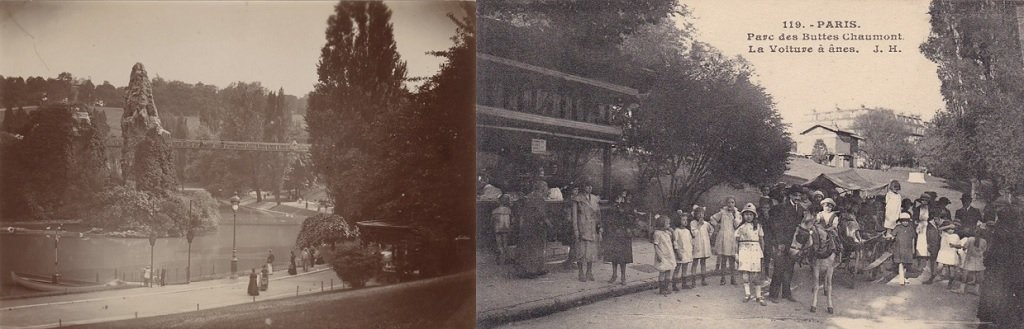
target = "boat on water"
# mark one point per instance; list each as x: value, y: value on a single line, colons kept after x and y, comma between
x: 40, y: 283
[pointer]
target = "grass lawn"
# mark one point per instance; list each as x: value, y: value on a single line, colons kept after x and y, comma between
x: 438, y: 303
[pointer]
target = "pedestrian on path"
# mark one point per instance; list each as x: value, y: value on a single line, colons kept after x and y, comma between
x: 586, y: 229
x: 725, y: 221
x: 664, y: 255
x: 617, y: 237
x: 785, y: 219
x: 254, y: 290
x: 750, y: 239
x: 948, y: 258
x: 973, y: 266
x: 265, y: 278
x: 701, y: 231
x: 534, y: 227
x: 683, y: 244
x: 893, y: 202
x: 502, y: 218
x: 903, y: 250
x: 291, y: 263
x: 305, y: 259
x: 270, y: 260
x: 147, y: 276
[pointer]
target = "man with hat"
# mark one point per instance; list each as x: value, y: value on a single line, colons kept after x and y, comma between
x: 968, y: 215
x: 785, y: 219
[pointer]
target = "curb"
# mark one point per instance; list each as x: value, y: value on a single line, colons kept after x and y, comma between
x: 550, y: 305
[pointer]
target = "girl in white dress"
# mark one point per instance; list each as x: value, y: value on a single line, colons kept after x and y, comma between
x: 750, y: 240
x: 701, y: 230
x: 726, y: 220
x: 664, y: 254
x: 948, y: 258
x: 683, y: 242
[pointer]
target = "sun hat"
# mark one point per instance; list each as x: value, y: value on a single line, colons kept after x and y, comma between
x: 904, y: 215
x: 818, y: 193
x: 750, y: 208
x: 828, y: 201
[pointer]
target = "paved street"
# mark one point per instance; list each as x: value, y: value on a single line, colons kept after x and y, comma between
x: 871, y: 305
x: 51, y: 311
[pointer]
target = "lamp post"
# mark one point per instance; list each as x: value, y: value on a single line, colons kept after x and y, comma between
x: 152, y: 270
x: 56, y: 243
x: 189, y: 235
x: 234, y: 232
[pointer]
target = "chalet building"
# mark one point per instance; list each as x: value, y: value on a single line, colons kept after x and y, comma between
x: 840, y: 146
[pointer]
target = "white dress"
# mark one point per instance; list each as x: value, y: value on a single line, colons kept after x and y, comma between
x: 893, y: 201
x: 701, y: 239
x: 663, y: 249
x: 749, y: 254
x: 683, y: 245
x: 921, y: 245
x: 947, y: 254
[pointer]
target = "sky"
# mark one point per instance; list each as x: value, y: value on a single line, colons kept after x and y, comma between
x: 801, y: 82
x: 215, y: 42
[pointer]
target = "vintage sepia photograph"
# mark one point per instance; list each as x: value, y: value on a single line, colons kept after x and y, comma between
x: 237, y: 164
x: 750, y: 164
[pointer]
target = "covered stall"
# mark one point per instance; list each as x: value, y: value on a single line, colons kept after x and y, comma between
x: 845, y: 182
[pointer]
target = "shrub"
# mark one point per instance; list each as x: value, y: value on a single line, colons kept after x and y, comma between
x: 356, y: 265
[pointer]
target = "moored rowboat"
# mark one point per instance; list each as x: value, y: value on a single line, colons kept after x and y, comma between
x: 67, y: 286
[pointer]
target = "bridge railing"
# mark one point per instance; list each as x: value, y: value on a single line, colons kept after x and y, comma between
x: 199, y: 144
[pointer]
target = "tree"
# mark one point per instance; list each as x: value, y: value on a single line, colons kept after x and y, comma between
x: 886, y: 138
x: 976, y: 46
x: 153, y: 168
x: 322, y: 228
x: 353, y: 106
x: 109, y: 95
x: 704, y: 124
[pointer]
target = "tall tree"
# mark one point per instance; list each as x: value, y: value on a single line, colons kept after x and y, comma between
x: 886, y: 138
x: 977, y: 48
x: 352, y: 107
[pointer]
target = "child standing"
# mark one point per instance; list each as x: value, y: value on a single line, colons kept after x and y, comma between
x: 502, y: 217
x: 975, y: 247
x: 726, y: 220
x: 683, y: 247
x: 664, y: 256
x: 701, y: 231
x: 750, y: 239
x: 903, y: 250
x: 948, y: 258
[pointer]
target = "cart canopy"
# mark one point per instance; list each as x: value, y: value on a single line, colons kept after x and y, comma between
x: 846, y: 181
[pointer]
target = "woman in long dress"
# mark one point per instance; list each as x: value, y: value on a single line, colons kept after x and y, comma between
x: 617, y: 241
x: 533, y: 232
x: 254, y: 289
x: 726, y: 220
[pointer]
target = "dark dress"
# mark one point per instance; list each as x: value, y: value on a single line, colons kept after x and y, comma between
x: 903, y: 251
x: 254, y: 289
x: 618, y: 243
x: 533, y: 236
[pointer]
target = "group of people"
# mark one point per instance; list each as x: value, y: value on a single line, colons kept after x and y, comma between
x: 967, y: 247
x: 260, y: 281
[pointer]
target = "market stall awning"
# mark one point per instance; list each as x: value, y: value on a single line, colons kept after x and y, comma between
x: 847, y: 180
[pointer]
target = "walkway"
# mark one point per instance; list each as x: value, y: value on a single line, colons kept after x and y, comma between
x: 54, y: 311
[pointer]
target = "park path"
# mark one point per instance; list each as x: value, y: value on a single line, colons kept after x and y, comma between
x: 54, y: 311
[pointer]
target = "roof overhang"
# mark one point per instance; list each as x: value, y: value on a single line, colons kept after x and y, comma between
x: 489, y: 117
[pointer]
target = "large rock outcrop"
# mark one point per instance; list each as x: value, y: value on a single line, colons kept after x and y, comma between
x: 140, y: 116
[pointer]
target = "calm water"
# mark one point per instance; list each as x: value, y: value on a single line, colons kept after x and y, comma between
x: 99, y: 258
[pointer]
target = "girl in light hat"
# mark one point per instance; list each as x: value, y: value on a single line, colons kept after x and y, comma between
x: 726, y: 220
x: 702, y: 231
x: 750, y: 239
x: 948, y: 258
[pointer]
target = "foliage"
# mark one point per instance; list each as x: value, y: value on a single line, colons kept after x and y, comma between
x: 129, y: 209
x: 704, y: 123
x: 357, y: 265
x: 353, y: 110
x: 977, y: 49
x: 886, y: 138
x: 324, y: 228
x: 153, y: 168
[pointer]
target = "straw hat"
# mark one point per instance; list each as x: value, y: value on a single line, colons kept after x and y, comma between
x: 828, y: 201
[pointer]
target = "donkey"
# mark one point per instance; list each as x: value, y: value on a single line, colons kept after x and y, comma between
x: 814, y: 241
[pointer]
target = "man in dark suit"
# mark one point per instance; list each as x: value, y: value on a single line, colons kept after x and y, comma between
x: 969, y: 216
x: 785, y: 219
